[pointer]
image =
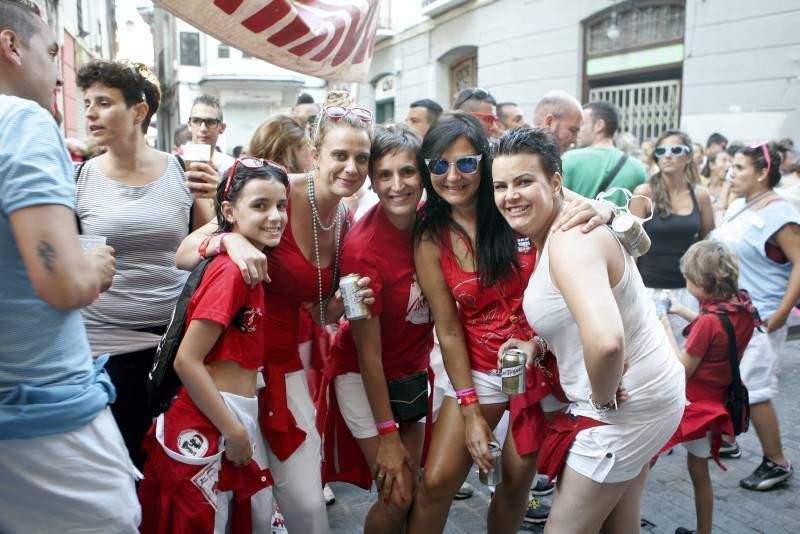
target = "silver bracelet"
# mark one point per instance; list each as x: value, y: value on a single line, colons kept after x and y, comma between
x: 539, y: 342
x: 603, y: 408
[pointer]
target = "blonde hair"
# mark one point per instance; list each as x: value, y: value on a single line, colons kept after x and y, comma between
x: 712, y: 267
x: 275, y: 138
x: 324, y: 123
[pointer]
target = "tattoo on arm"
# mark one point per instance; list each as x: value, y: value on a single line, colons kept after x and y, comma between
x: 48, y: 255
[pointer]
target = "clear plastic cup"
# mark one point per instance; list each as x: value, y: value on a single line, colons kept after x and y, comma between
x: 88, y: 242
x: 197, y: 152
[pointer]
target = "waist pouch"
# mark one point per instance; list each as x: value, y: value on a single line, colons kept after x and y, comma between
x: 408, y: 397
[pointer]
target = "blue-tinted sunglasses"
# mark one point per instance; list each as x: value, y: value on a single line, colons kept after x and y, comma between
x: 464, y: 164
x: 674, y: 150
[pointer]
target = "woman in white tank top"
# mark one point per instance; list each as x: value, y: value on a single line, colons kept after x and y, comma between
x: 588, y: 303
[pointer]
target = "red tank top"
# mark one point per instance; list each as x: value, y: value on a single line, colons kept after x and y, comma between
x: 294, y: 281
x: 492, y: 315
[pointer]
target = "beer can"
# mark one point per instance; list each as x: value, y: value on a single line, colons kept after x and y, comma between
x: 354, y: 307
x: 662, y: 303
x: 512, y: 373
x: 631, y: 234
x: 494, y: 476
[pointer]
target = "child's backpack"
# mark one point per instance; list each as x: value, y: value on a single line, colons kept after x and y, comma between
x: 738, y: 400
x: 162, y: 380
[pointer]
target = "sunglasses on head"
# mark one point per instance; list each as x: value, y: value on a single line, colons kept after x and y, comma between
x: 464, y: 164
x: 339, y: 112
x: 672, y: 150
x: 250, y: 163
x: 765, y: 151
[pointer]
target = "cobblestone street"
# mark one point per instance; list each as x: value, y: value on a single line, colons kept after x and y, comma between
x: 668, y: 500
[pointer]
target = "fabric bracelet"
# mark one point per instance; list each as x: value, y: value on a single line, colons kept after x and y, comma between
x: 464, y: 392
x: 201, y: 250
x: 469, y: 398
x: 218, y: 248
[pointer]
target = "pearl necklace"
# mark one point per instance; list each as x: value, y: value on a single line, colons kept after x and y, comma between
x: 317, y: 223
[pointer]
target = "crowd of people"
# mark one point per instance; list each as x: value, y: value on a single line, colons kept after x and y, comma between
x: 470, y: 232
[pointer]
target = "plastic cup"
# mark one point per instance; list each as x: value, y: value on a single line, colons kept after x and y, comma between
x: 197, y: 152
x: 88, y: 242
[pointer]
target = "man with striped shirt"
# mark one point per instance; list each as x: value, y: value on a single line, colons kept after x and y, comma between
x: 62, y: 458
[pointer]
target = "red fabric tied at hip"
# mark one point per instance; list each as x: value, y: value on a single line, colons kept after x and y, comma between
x: 528, y: 423
x: 559, y: 437
x: 244, y: 481
x: 278, y: 425
x: 699, y: 418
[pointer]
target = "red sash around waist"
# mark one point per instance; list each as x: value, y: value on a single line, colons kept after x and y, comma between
x: 560, y: 435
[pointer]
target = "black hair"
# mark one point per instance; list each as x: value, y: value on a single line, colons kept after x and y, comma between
x: 500, y: 107
x: 434, y: 110
x: 211, y: 101
x: 181, y: 132
x: 304, y: 98
x: 608, y: 113
x: 394, y: 138
x: 472, y: 93
x: 18, y: 16
x: 237, y: 151
x: 536, y: 141
x: 756, y: 154
x: 495, y: 252
x: 716, y: 138
x: 238, y: 181
x: 135, y: 81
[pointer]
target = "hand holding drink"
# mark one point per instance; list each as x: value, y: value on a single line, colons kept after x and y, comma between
x: 201, y: 176
x: 102, y: 261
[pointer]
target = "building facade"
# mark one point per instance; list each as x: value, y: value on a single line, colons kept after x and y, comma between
x: 702, y: 65
x: 190, y: 63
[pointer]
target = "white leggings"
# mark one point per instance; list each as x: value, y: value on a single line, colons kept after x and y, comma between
x: 298, y: 479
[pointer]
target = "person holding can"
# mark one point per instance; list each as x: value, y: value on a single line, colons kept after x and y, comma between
x: 587, y: 302
x: 473, y: 276
x: 304, y: 268
x: 379, y: 363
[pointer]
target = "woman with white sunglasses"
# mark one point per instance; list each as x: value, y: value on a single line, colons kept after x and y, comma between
x: 682, y: 214
x: 303, y: 271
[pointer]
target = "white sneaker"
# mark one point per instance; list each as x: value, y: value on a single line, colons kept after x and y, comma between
x: 327, y: 493
x: 278, y: 523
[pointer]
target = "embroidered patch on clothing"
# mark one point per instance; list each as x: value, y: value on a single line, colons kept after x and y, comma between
x: 192, y: 443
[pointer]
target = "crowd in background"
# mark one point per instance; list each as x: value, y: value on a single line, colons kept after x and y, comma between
x: 498, y: 231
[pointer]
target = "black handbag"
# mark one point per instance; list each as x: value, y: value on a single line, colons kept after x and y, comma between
x: 738, y: 400
x: 408, y: 397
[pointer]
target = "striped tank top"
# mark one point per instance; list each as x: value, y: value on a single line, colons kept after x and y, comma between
x: 145, y: 225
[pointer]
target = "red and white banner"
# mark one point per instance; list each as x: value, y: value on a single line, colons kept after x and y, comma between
x: 331, y: 39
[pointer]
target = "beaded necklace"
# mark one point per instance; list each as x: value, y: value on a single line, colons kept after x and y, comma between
x: 316, y: 223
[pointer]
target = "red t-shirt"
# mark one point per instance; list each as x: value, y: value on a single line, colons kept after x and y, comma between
x: 376, y: 248
x: 708, y: 340
x: 224, y: 298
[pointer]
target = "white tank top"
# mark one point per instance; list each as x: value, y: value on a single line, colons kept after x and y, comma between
x: 654, y: 379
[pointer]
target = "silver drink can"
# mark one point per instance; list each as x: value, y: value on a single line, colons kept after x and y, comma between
x: 354, y: 307
x: 513, y: 371
x: 495, y: 475
x: 631, y: 234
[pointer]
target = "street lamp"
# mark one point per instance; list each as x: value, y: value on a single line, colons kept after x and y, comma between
x: 612, y: 32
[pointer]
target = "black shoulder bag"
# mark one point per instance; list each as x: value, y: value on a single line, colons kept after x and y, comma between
x: 738, y: 401
x: 612, y: 173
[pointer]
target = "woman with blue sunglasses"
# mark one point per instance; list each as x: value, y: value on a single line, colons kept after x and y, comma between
x: 682, y: 215
x: 473, y: 270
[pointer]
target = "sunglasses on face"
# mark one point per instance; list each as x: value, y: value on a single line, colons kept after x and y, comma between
x: 464, y: 165
x: 210, y: 123
x: 340, y: 112
x: 671, y: 150
x: 486, y: 117
x: 250, y: 163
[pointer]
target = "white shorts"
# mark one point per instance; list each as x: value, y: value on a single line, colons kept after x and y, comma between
x: 701, y: 448
x: 678, y: 323
x: 78, y: 481
x: 354, y: 406
x: 759, y: 365
x: 490, y: 391
x: 618, y: 452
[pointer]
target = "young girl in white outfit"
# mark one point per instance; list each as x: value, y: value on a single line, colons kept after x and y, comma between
x: 588, y: 303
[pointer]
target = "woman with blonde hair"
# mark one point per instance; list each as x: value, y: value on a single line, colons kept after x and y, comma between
x: 682, y: 214
x: 281, y: 138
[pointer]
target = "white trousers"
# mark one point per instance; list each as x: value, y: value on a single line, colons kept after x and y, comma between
x: 759, y: 365
x: 298, y: 479
x: 80, y: 481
